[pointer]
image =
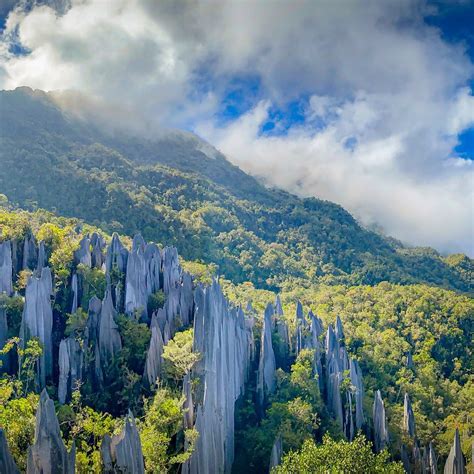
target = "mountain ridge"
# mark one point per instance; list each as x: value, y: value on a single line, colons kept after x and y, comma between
x: 205, y: 205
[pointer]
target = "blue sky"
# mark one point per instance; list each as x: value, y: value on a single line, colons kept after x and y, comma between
x: 365, y: 103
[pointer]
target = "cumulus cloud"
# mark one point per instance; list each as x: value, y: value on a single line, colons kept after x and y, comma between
x: 384, y: 96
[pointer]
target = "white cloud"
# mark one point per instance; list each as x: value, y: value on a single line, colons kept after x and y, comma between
x: 379, y: 79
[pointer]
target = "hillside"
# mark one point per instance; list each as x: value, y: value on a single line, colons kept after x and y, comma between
x: 179, y: 190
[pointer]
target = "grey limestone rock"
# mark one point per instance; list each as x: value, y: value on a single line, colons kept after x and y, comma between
x: 408, y: 418
x: 37, y: 320
x: 4, y: 359
x: 75, y: 293
x: 7, y: 463
x: 42, y: 258
x: 70, y: 367
x: 381, y: 438
x: 97, y: 250
x: 186, y: 299
x: 109, y: 337
x: 221, y: 337
x: 455, y: 464
x: 48, y: 455
x: 153, y: 263
x: 83, y: 254
x: 154, y: 360
x: 123, y: 452
x: 188, y: 402
x: 267, y: 364
x: 30, y: 252
x: 358, y: 388
x: 6, y: 268
x: 277, y: 452
x: 171, y: 269
x: 432, y: 461
x: 136, y: 292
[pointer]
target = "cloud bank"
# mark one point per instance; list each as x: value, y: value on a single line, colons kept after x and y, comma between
x: 382, y: 97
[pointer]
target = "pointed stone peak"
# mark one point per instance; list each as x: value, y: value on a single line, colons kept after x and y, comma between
x: 408, y: 418
x: 278, y: 306
x: 455, y: 463
x: 299, y: 312
x: 339, y: 330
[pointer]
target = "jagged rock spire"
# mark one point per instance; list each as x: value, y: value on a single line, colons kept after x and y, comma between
x: 6, y: 268
x: 30, y: 252
x: 171, y: 268
x: 37, y: 320
x: 48, y: 455
x: 75, y: 293
x: 408, y: 418
x: 7, y: 463
x: 431, y: 464
x: 334, y: 376
x: 117, y: 255
x: 109, y: 337
x: 357, y: 383
x: 339, y: 330
x: 97, y: 252
x: 455, y: 463
x: 83, y: 254
x: 92, y: 338
x: 42, y: 259
x: 136, y: 292
x: 381, y: 438
x: 4, y: 359
x: 154, y: 359
x: 188, y: 402
x: 221, y: 337
x: 70, y: 367
x: 267, y: 364
x: 123, y: 452
x: 277, y: 452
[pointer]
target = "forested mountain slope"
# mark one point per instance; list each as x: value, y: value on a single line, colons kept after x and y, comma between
x: 177, y: 189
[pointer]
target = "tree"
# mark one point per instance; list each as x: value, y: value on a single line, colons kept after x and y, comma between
x: 179, y: 356
x: 162, y: 423
x: 338, y: 456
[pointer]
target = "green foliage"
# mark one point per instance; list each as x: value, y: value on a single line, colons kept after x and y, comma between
x: 94, y: 284
x: 336, y: 457
x: 13, y: 306
x: 76, y: 323
x: 156, y: 301
x: 87, y: 428
x: 163, y: 422
x: 17, y: 419
x: 179, y: 356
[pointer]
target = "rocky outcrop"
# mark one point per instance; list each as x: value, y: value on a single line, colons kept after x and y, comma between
x: 48, y: 455
x: 154, y: 360
x: 267, y: 364
x: 455, y: 464
x: 37, y: 320
x: 109, y: 337
x: 30, y: 253
x: 153, y: 264
x: 42, y: 260
x: 188, y: 406
x: 317, y: 331
x: 83, y: 254
x: 70, y: 367
x: 136, y: 291
x: 75, y: 293
x: 6, y: 268
x: 276, y: 455
x: 281, y: 327
x: 93, y: 370
x: 431, y: 461
x: 381, y: 438
x: 123, y: 452
x: 97, y: 243
x: 186, y: 299
x: 117, y: 255
x: 4, y: 359
x: 221, y: 337
x: 171, y: 269
x: 7, y: 463
x: 408, y: 418
x: 334, y: 375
